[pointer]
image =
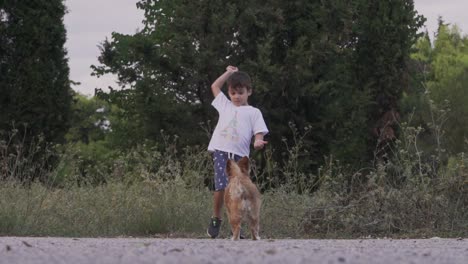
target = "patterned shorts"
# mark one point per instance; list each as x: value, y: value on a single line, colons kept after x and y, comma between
x: 220, y: 159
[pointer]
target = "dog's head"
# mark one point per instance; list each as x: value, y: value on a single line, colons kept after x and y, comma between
x: 241, y: 168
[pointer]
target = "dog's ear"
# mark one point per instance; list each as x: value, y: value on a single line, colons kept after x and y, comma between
x: 244, y: 165
x: 230, y: 167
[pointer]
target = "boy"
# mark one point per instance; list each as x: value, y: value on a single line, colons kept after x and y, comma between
x: 238, y: 123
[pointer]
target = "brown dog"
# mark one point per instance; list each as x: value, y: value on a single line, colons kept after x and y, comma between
x: 242, y: 198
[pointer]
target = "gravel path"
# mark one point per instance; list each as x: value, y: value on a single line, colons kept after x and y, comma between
x: 156, y: 250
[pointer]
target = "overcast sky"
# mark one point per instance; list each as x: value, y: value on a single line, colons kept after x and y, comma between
x: 89, y: 22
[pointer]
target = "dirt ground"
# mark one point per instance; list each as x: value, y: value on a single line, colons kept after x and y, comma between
x: 156, y: 250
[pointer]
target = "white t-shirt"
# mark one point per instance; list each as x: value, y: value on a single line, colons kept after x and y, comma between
x: 236, y: 126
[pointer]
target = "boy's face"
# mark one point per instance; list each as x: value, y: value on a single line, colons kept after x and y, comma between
x: 239, y: 95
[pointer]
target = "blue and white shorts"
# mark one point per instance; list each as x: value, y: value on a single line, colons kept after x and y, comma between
x: 220, y: 159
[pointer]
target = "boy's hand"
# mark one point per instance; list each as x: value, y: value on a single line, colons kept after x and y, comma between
x: 218, y: 83
x: 259, y: 144
x: 231, y: 69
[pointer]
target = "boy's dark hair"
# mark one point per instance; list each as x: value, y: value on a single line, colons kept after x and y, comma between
x: 239, y: 79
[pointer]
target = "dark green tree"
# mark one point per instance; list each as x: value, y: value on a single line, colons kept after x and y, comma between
x: 333, y: 67
x: 384, y: 33
x: 165, y: 70
x: 35, y: 88
x: 89, y: 119
x: 287, y: 49
x: 34, y: 76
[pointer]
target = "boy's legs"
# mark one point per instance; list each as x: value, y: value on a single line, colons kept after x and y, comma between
x: 221, y: 181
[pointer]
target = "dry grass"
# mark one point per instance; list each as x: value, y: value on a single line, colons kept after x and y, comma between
x: 141, y: 209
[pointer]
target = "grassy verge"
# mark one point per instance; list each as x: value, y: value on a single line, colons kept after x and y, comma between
x: 143, y: 192
x: 142, y: 209
x: 400, y: 197
x: 173, y: 209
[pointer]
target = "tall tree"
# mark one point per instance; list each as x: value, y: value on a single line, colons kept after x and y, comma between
x: 443, y: 70
x: 34, y: 84
x: 332, y: 66
x: 385, y: 31
x: 165, y: 70
x: 35, y: 88
x: 184, y: 46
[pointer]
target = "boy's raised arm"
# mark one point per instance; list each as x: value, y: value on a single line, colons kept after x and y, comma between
x: 218, y: 84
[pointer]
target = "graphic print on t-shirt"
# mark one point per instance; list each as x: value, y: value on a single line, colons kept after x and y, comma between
x: 230, y: 131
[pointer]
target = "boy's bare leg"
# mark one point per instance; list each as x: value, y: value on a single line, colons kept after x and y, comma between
x: 218, y: 201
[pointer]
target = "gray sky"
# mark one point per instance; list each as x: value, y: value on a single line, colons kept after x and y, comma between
x: 89, y: 22
x: 452, y: 11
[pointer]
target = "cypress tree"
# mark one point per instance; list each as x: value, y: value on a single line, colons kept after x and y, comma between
x: 385, y: 32
x: 35, y: 90
x: 35, y: 87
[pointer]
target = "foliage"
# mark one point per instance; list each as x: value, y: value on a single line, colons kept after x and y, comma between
x: 150, y: 193
x: 440, y: 72
x: 304, y: 57
x: 385, y: 32
x: 34, y: 73
x: 449, y: 84
x: 368, y: 130
x: 90, y: 119
x: 34, y: 86
x: 25, y: 160
x: 404, y: 196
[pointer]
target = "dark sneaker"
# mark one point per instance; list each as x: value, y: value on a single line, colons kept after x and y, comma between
x: 213, y: 229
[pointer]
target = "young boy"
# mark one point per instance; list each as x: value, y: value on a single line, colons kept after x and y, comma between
x: 238, y: 123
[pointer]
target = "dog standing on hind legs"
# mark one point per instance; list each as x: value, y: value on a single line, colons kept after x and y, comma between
x: 242, y: 199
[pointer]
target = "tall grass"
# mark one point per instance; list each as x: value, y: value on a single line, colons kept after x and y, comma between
x: 146, y: 192
x: 141, y: 209
x: 21, y: 158
x: 109, y: 210
x: 141, y: 193
x: 414, y: 190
